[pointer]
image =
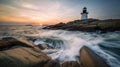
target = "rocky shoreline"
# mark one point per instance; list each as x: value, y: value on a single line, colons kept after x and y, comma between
x: 89, y: 25
x: 17, y: 52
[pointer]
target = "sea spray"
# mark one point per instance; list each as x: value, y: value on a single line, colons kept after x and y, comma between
x: 67, y: 44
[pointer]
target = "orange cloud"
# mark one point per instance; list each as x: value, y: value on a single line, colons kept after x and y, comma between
x: 25, y: 20
x: 13, y: 19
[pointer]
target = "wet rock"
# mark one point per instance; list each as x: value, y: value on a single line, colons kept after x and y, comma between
x: 52, y: 63
x: 11, y: 42
x: 20, y: 53
x: 71, y: 64
x: 89, y: 59
x: 44, y: 46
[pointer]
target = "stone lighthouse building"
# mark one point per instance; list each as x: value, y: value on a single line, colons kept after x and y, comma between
x: 84, y: 14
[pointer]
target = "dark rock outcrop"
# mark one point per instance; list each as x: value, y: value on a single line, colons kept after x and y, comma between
x: 17, y: 52
x: 89, y: 59
x: 44, y: 46
x: 89, y: 25
x: 71, y: 64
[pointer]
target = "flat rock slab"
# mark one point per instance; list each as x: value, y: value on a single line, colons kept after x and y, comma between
x: 21, y: 53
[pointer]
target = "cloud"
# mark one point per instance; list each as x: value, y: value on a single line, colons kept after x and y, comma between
x: 7, y: 10
x: 41, y: 10
x: 29, y: 6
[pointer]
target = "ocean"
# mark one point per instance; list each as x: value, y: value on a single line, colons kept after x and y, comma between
x: 67, y: 45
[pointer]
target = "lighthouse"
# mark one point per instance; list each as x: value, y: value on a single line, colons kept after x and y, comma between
x: 84, y: 14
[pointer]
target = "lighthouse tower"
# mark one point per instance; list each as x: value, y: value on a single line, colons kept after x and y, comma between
x: 84, y: 14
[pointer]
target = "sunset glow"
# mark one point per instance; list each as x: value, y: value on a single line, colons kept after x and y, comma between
x: 53, y: 11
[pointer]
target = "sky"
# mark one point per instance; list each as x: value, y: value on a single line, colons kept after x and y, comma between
x: 55, y: 11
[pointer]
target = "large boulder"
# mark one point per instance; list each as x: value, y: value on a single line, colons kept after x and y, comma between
x: 89, y: 59
x: 17, y: 52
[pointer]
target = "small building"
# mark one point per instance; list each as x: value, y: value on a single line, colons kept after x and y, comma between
x: 84, y: 14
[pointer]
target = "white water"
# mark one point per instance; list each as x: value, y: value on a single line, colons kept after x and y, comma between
x: 72, y: 43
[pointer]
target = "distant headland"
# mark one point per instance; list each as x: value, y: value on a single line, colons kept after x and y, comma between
x: 88, y: 24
